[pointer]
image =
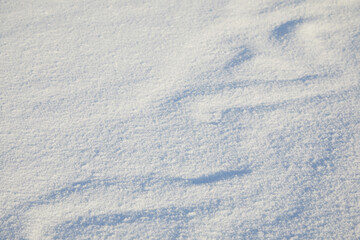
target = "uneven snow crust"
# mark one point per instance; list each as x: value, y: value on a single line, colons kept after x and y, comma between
x: 223, y: 119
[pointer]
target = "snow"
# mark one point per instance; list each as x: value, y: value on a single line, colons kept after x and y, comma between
x: 224, y: 119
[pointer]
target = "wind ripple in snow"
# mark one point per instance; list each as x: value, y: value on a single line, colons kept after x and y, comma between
x: 180, y: 120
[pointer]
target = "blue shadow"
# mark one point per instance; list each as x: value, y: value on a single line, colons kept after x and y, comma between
x: 239, y: 58
x: 284, y: 29
x: 218, y: 176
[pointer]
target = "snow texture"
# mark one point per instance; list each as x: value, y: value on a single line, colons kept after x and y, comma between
x: 222, y: 119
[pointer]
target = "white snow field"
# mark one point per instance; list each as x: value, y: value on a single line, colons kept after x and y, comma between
x: 164, y: 119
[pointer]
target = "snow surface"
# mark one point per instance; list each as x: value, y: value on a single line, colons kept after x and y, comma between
x: 222, y: 119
